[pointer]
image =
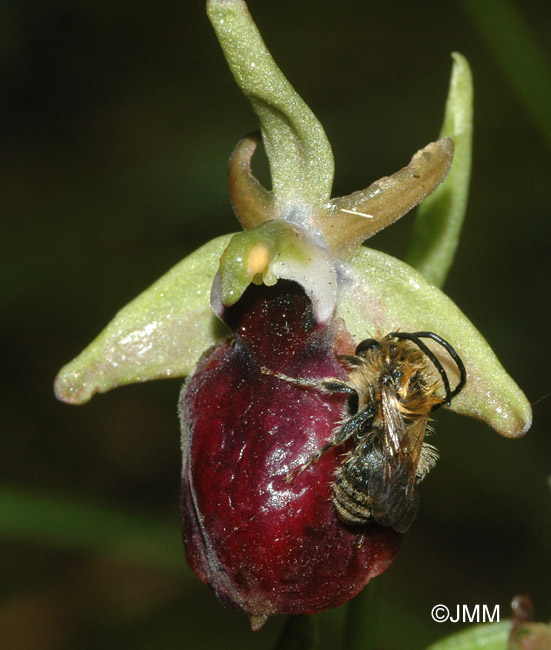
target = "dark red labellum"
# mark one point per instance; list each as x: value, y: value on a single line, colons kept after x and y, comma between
x: 264, y: 544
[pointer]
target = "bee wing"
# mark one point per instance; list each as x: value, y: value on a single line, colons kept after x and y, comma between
x: 394, y: 426
x: 412, y: 448
x: 392, y: 489
x: 402, y: 440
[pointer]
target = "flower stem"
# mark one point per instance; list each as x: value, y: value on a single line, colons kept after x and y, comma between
x: 299, y: 633
x: 361, y: 618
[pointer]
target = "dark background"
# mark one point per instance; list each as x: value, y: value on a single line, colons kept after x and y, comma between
x: 118, y: 120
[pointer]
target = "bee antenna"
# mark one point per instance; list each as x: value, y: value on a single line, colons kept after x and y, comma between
x: 416, y: 338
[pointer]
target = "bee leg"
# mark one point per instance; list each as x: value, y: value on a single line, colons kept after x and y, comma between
x: 311, y: 461
x: 351, y: 360
x: 360, y: 421
x: 297, y: 381
x: 328, y: 385
x: 331, y: 385
x: 335, y: 386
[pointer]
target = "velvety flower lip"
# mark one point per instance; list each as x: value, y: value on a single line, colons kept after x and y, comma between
x: 268, y: 545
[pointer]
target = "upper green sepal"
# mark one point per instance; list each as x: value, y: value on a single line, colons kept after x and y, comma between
x: 382, y: 294
x: 161, y: 333
x: 300, y: 156
x: 299, y: 153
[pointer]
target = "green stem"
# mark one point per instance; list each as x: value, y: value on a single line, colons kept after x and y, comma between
x: 361, y: 619
x: 299, y: 633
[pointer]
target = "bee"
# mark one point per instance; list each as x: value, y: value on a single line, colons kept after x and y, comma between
x: 394, y: 384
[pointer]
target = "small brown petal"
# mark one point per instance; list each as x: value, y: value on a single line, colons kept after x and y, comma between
x: 253, y: 204
x: 347, y: 221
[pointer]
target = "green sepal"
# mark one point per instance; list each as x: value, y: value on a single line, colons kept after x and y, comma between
x: 382, y: 294
x: 299, y: 153
x: 437, y: 225
x: 161, y: 333
x: 276, y: 250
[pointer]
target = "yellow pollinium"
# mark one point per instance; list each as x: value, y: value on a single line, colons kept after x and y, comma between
x: 258, y: 261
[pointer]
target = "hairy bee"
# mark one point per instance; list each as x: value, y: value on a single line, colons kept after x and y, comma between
x: 392, y: 390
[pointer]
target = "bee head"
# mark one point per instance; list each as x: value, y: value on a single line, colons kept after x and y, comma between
x: 416, y: 339
x: 366, y: 346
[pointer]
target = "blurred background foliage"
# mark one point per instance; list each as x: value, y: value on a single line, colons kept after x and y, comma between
x: 118, y: 120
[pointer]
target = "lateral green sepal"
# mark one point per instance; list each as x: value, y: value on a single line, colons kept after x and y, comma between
x: 382, y: 294
x: 161, y: 333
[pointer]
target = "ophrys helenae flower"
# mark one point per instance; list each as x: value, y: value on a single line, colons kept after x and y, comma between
x: 295, y: 292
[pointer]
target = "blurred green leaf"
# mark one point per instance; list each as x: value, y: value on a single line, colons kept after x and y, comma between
x: 35, y: 518
x: 519, y: 54
x: 491, y: 636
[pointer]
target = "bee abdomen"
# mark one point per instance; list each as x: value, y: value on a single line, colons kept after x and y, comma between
x: 353, y: 505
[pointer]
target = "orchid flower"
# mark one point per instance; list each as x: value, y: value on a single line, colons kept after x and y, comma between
x: 293, y: 291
